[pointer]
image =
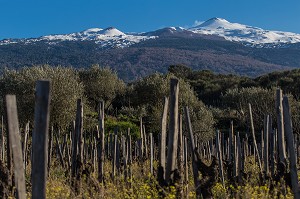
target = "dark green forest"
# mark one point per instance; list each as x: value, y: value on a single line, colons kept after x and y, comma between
x: 214, y: 99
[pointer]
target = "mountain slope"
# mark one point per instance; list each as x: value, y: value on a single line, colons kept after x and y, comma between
x: 155, y: 55
x: 209, y: 46
x: 105, y: 38
x: 243, y: 33
x: 114, y: 38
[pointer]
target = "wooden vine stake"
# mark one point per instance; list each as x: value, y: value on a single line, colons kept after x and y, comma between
x: 142, y: 138
x: 15, y: 143
x: 101, y: 144
x: 290, y: 141
x: 151, y: 153
x: 254, y: 139
x: 77, y: 147
x: 2, y: 141
x: 173, y: 129
x: 280, y: 126
x: 180, y: 160
x: 231, y: 144
x: 162, y: 144
x: 266, y: 144
x: 50, y: 145
x: 40, y: 140
x: 194, y: 157
x: 25, y: 145
x: 219, y: 152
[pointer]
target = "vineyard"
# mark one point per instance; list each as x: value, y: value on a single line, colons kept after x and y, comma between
x: 106, y: 160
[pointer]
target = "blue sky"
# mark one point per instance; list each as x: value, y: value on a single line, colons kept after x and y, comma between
x: 33, y: 18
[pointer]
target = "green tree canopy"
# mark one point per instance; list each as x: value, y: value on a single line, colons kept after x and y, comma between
x: 65, y: 90
x: 262, y: 102
x: 150, y: 91
x: 101, y: 84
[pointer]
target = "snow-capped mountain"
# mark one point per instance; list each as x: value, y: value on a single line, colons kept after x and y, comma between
x: 243, y: 33
x: 215, y: 45
x: 109, y: 37
x: 217, y: 27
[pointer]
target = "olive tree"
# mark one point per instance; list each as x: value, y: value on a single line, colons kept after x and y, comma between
x: 150, y: 91
x: 262, y: 102
x: 101, y: 84
x: 65, y: 90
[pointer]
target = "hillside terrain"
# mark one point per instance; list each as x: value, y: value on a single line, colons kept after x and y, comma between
x: 216, y: 45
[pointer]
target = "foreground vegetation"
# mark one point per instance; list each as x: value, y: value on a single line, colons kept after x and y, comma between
x: 214, y: 99
x: 129, y: 164
x: 145, y: 185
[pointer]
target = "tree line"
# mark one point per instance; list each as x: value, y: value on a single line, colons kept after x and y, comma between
x: 214, y: 99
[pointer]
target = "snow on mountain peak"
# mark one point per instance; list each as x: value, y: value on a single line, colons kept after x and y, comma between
x: 112, y: 37
x: 214, y: 20
x: 243, y: 33
x: 111, y: 31
x: 106, y: 38
x: 92, y: 30
x: 219, y: 23
x: 177, y: 28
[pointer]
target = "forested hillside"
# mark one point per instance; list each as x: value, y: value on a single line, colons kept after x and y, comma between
x: 155, y: 55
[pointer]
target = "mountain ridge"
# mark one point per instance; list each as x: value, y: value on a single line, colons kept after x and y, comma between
x: 114, y: 38
x: 135, y: 55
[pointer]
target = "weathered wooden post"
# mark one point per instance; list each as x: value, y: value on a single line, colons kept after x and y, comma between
x: 50, y: 145
x: 239, y: 157
x: 118, y: 162
x: 61, y: 158
x: 15, y: 142
x: 209, y: 151
x: 231, y: 150
x: 114, y: 166
x: 79, y: 129
x: 261, y: 146
x: 151, y: 154
x: 289, y: 134
x: 8, y: 159
x: 77, y: 147
x: 107, y: 147
x: 142, y: 138
x: 40, y: 140
x: 194, y: 157
x: 266, y: 144
x: 219, y: 154
x: 139, y: 148
x: 68, y: 153
x: 272, y: 150
x: 180, y: 160
x: 64, y: 146
x: 223, y: 144
x: 124, y: 155
x: 74, y: 152
x: 2, y: 140
x: 129, y: 151
x: 111, y: 145
x: 254, y: 139
x: 145, y: 142
x: 162, y: 145
x: 186, y: 170
x: 101, y: 144
x: 25, y: 145
x: 280, y: 126
x: 235, y: 156
x: 173, y: 129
